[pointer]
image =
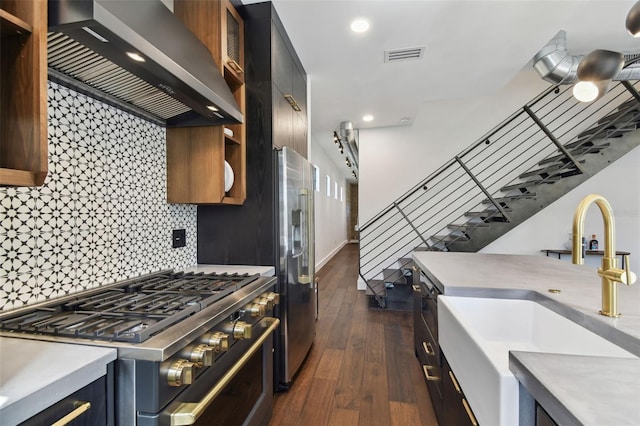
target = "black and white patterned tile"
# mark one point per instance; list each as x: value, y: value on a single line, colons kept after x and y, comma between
x: 102, y: 214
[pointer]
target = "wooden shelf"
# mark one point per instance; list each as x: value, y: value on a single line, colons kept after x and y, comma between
x: 23, y: 84
x: 232, y: 139
x: 11, y: 25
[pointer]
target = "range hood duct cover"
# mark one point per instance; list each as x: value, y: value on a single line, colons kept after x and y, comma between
x: 178, y: 81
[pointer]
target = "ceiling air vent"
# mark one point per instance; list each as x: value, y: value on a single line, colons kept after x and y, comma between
x: 405, y: 54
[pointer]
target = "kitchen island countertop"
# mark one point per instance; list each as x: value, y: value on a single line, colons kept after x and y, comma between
x: 531, y: 277
x: 549, y: 378
x: 36, y: 374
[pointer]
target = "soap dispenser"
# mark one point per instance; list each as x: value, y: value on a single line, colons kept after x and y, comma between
x: 593, y: 244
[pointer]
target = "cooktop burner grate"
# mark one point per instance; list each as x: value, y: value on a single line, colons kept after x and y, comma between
x: 132, y: 311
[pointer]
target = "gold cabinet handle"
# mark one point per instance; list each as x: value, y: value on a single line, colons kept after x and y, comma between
x: 416, y: 288
x: 472, y: 418
x: 427, y: 373
x: 81, y: 407
x: 235, y: 66
x: 455, y: 382
x: 186, y: 413
x: 292, y: 101
x: 427, y: 348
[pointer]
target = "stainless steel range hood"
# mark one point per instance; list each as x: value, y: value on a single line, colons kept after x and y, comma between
x: 174, y: 77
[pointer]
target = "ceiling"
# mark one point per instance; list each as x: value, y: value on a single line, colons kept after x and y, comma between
x: 473, y: 48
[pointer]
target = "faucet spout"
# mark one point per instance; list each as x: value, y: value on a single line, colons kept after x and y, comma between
x: 609, y: 272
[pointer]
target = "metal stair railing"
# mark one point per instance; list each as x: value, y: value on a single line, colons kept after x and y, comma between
x: 472, y: 189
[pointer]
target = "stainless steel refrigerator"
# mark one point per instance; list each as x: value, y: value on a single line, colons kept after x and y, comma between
x: 296, y: 269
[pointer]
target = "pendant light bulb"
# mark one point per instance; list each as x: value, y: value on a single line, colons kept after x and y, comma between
x: 585, y: 91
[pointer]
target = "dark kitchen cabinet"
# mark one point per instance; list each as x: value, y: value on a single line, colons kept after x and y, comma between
x: 247, y: 235
x: 542, y: 418
x: 90, y: 406
x: 23, y: 84
x: 425, y: 328
x: 456, y: 410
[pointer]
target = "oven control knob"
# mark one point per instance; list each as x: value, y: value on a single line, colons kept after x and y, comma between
x: 273, y: 297
x: 255, y: 310
x: 241, y: 330
x: 180, y: 372
x: 263, y: 301
x: 202, y: 355
x: 219, y: 341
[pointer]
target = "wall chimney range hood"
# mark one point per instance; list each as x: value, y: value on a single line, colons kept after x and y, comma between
x: 139, y: 56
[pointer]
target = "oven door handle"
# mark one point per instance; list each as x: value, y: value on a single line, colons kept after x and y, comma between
x: 187, y: 413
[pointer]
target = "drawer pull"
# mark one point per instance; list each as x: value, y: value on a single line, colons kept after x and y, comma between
x: 81, y: 407
x: 416, y: 288
x: 235, y: 66
x: 427, y: 373
x: 455, y: 382
x: 472, y: 418
x: 427, y: 348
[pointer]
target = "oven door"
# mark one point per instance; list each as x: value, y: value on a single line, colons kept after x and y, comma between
x: 234, y: 391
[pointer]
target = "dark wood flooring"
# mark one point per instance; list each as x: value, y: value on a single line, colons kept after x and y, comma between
x: 361, y: 369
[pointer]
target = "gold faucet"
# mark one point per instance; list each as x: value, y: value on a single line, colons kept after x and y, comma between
x: 609, y: 271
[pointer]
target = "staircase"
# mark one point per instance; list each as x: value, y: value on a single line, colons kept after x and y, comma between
x: 534, y: 157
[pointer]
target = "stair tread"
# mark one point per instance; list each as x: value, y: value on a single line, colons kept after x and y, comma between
x: 587, y: 143
x: 393, y: 276
x: 614, y: 116
x: 377, y: 286
x: 449, y: 238
x: 468, y: 225
x: 548, y: 170
x: 530, y: 183
x: 576, y: 152
x: 509, y: 197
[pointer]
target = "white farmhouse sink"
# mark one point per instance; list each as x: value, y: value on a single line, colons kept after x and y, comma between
x: 476, y: 335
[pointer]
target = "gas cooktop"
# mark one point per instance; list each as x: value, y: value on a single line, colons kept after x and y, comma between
x: 130, y: 311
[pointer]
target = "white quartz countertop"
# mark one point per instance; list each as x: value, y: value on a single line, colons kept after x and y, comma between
x: 531, y: 277
x: 572, y: 387
x: 265, y: 271
x: 584, y: 392
x: 36, y: 374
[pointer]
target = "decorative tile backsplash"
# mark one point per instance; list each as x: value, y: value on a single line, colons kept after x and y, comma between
x: 102, y: 214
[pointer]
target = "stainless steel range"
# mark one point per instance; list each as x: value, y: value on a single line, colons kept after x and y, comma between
x: 193, y: 348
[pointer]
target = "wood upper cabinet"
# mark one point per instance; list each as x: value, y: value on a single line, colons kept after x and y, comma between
x: 23, y: 85
x: 196, y: 155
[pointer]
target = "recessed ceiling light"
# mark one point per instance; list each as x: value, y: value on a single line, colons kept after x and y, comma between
x: 367, y: 117
x: 135, y: 56
x: 359, y: 25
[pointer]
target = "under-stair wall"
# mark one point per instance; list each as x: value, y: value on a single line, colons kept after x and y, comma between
x: 541, y: 152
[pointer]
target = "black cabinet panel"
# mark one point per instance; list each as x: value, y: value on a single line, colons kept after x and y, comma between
x: 300, y: 88
x: 282, y: 63
x: 542, y: 418
x: 99, y: 411
x: 282, y: 120
x: 455, y: 408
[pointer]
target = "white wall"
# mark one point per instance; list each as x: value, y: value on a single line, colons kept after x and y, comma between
x: 330, y: 214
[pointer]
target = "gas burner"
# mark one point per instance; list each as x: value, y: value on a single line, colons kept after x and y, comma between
x: 131, y: 311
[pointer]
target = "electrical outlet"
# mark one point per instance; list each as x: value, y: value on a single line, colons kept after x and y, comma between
x: 179, y: 238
